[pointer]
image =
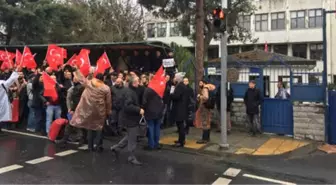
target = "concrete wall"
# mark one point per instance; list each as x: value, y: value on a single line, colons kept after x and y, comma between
x: 308, y: 120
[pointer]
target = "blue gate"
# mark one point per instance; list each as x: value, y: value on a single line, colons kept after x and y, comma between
x: 332, y: 117
x: 277, y: 116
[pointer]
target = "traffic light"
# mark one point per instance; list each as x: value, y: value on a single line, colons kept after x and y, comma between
x: 219, y: 19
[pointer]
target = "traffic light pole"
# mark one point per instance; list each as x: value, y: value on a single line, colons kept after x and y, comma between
x: 223, y: 116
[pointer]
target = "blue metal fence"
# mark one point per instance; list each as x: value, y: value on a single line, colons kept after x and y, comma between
x: 332, y: 117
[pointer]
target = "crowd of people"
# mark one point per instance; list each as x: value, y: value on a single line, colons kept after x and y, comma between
x: 117, y: 102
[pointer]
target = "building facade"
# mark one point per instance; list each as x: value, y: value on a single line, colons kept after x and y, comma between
x: 290, y: 27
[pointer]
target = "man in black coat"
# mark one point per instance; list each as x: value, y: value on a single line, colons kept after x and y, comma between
x: 229, y: 100
x: 179, y: 97
x: 252, y: 100
x: 131, y: 116
x: 117, y: 104
x: 153, y: 106
x: 191, y: 105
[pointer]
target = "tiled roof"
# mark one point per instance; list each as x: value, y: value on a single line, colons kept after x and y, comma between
x: 260, y: 56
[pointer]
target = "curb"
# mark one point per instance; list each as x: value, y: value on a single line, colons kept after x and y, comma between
x: 233, y: 160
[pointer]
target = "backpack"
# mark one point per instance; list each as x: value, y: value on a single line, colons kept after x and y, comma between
x: 211, y: 102
x: 9, y: 93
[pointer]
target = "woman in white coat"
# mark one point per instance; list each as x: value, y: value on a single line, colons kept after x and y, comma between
x: 5, y: 105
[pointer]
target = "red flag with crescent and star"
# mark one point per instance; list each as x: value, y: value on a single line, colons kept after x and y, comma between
x: 18, y: 58
x: 7, y: 58
x: 158, y: 82
x: 83, y: 62
x: 55, y: 56
x: 103, y: 63
x: 28, y: 60
x: 49, y: 85
x: 72, y: 60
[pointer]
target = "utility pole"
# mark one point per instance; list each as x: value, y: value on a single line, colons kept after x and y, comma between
x: 223, y: 116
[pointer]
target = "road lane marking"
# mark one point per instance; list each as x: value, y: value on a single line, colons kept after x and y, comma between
x: 39, y: 160
x: 232, y: 172
x: 10, y: 168
x: 67, y: 152
x: 25, y: 134
x: 268, y: 179
x: 222, y: 181
x: 84, y: 147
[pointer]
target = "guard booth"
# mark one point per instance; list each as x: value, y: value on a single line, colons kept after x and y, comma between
x: 97, y: 49
x: 301, y: 78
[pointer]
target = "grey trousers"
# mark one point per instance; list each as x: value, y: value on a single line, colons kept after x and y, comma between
x: 254, y: 123
x: 130, y: 140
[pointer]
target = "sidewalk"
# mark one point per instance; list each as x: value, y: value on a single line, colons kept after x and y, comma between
x: 240, y: 143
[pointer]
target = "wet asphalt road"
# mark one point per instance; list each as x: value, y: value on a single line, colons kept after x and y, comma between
x: 82, y: 167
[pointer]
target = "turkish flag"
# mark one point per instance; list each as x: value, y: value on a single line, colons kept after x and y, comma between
x: 49, y: 85
x: 7, y: 59
x: 72, y: 60
x: 5, y: 55
x: 103, y: 63
x: 83, y: 62
x: 28, y: 59
x: 266, y: 47
x: 55, y: 56
x: 158, y: 82
x: 18, y: 58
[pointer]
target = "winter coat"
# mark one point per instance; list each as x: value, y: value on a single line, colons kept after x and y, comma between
x: 38, y: 99
x: 5, y: 105
x: 153, y: 105
x: 131, y: 109
x: 117, y: 100
x: 252, y: 100
x: 180, y: 99
x: 229, y: 100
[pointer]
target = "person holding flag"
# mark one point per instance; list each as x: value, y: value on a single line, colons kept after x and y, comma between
x: 153, y: 106
x: 53, y: 95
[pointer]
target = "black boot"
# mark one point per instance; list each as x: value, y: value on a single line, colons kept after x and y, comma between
x: 207, y: 136
x: 204, y: 137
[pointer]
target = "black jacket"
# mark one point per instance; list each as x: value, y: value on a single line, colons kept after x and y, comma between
x: 78, y: 90
x: 117, y: 97
x: 166, y: 95
x: 131, y: 110
x: 38, y: 99
x: 153, y: 105
x: 252, y: 100
x: 191, y: 103
x: 229, y: 99
x: 180, y: 99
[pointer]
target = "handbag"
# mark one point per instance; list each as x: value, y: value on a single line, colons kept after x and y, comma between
x: 143, y: 121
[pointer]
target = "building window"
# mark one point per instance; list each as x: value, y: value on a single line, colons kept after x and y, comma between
x: 261, y: 22
x: 316, y: 51
x: 161, y: 29
x: 245, y: 22
x: 300, y: 50
x: 315, y: 18
x: 247, y: 48
x: 278, y: 21
x: 174, y: 29
x: 297, y: 19
x: 281, y: 49
x: 233, y: 50
x: 150, y: 30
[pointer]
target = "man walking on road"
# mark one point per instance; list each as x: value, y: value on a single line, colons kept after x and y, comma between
x: 131, y: 116
x: 252, y: 102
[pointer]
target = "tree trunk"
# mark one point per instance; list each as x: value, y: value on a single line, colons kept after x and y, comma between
x: 9, y: 31
x: 199, y: 40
